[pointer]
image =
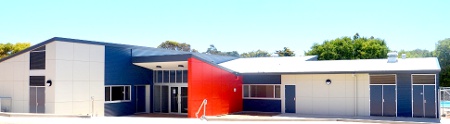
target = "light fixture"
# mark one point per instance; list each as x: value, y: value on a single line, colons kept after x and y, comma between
x: 181, y: 66
x: 49, y: 82
x: 158, y: 66
x: 328, y: 81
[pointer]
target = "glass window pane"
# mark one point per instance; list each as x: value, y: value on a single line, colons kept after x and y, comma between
x: 107, y: 94
x: 159, y: 76
x: 127, y: 92
x: 179, y: 76
x: 172, y: 76
x: 185, y: 76
x: 117, y: 93
x: 262, y: 91
x: 157, y: 99
x: 246, y: 90
x: 253, y: 91
x: 166, y: 76
x: 277, y: 91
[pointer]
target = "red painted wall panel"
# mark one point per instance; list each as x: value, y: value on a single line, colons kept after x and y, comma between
x: 206, y: 81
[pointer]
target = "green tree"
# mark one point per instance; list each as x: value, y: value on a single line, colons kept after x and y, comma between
x: 257, y: 53
x: 9, y: 48
x: 346, y: 48
x: 417, y: 53
x: 285, y: 52
x: 173, y: 45
x: 443, y: 54
x: 213, y: 50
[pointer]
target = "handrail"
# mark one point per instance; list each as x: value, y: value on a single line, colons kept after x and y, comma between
x: 200, y: 108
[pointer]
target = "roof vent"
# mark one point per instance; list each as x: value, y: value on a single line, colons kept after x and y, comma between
x: 403, y: 56
x: 392, y: 57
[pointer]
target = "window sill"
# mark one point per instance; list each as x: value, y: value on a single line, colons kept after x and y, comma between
x: 118, y: 101
x: 261, y: 98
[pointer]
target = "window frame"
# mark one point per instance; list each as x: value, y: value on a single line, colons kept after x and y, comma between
x: 124, y: 97
x: 250, y: 91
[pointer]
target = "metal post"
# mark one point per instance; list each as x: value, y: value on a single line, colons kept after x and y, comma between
x: 92, y: 102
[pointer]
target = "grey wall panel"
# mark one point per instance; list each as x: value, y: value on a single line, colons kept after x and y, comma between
x: 261, y: 79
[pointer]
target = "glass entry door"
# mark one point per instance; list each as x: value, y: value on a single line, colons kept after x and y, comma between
x: 178, y: 99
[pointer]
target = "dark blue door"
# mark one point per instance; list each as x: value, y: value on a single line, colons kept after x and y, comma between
x: 140, y: 99
x: 289, y: 94
x: 376, y: 100
x: 418, y: 101
x: 429, y: 101
x: 389, y: 104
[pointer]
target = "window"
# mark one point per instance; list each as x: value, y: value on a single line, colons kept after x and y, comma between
x: 170, y: 76
x: 382, y: 79
x: 117, y: 93
x: 424, y: 79
x: 261, y: 91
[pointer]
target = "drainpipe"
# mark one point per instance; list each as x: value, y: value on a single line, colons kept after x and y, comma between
x: 356, y: 95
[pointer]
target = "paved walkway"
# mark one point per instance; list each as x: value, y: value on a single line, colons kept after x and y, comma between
x: 300, y: 117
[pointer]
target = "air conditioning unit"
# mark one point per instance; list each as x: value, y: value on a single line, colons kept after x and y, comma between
x: 5, y: 104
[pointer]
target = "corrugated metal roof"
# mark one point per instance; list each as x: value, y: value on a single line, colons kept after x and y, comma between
x: 296, y: 65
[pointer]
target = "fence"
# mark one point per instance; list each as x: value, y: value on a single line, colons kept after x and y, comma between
x: 445, y: 101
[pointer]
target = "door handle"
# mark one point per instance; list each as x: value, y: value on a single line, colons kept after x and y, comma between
x: 424, y: 101
x: 294, y: 98
x: 383, y: 100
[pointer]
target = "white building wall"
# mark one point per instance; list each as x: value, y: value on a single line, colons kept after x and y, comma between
x: 314, y: 96
x: 14, y: 81
x: 77, y: 73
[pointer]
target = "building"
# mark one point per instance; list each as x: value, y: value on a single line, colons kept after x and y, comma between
x: 79, y: 77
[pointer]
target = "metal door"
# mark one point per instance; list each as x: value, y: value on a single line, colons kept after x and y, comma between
x: 376, y: 100
x: 418, y: 110
x: 37, y: 99
x: 184, y: 99
x: 174, y: 99
x: 289, y: 93
x: 140, y: 99
x: 429, y: 101
x: 389, y: 102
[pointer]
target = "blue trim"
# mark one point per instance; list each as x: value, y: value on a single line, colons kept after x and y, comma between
x: 166, y: 58
x: 262, y: 105
x: 261, y: 79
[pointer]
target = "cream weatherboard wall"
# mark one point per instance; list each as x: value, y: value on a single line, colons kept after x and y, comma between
x: 14, y: 81
x: 315, y: 97
x: 77, y: 73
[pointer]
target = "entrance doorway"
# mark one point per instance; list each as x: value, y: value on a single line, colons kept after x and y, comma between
x: 178, y: 99
x: 170, y: 99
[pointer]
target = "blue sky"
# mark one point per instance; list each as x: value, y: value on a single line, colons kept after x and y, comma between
x: 240, y: 25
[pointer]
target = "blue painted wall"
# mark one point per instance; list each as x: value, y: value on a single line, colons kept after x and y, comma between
x: 261, y: 79
x: 404, y: 105
x: 262, y: 105
x: 119, y: 70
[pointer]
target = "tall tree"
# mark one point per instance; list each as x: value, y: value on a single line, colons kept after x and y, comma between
x: 213, y: 50
x: 173, y: 45
x: 443, y: 55
x: 9, y: 48
x: 345, y: 48
x: 257, y: 53
x: 285, y: 52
